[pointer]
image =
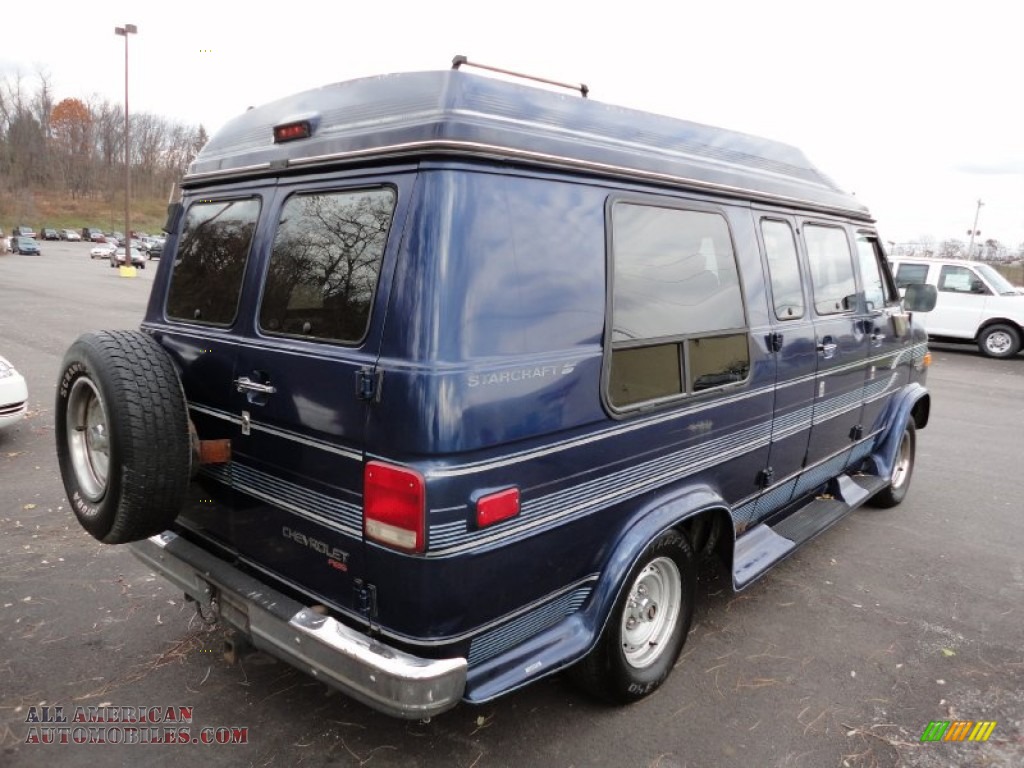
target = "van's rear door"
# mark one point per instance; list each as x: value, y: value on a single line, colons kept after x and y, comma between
x: 305, y: 376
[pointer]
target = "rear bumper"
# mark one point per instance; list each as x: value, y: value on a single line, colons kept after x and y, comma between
x: 384, y: 678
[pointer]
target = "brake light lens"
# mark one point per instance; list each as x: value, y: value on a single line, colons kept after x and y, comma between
x: 292, y: 131
x: 495, y: 507
x: 393, y: 506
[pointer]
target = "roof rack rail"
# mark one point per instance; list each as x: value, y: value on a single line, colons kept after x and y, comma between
x: 458, y: 61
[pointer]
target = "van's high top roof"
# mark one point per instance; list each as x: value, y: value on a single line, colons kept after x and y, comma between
x: 422, y: 114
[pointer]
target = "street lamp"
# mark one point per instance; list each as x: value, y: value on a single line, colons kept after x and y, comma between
x: 127, y: 29
x: 974, y: 230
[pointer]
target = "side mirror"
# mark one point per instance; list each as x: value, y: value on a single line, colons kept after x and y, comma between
x: 920, y: 297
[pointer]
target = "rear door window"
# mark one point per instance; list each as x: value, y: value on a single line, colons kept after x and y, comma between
x: 210, y: 262
x: 325, y: 264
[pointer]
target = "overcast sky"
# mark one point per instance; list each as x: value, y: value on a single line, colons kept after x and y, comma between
x: 916, y: 107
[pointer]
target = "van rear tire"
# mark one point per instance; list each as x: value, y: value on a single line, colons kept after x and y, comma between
x: 647, y: 628
x: 999, y: 341
x: 122, y: 435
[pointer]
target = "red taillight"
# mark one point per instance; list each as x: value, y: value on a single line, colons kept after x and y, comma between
x: 393, y: 506
x: 495, y: 507
x: 291, y: 131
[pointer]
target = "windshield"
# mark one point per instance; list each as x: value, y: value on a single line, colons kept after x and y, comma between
x: 1002, y: 286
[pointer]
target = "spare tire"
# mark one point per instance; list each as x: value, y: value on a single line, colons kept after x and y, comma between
x: 122, y: 435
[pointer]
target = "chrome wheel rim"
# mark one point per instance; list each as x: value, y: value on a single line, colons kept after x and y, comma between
x: 88, y: 439
x: 651, y: 612
x: 998, y: 343
x: 901, y: 469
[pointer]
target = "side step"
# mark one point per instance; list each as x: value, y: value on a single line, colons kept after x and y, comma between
x: 763, y: 545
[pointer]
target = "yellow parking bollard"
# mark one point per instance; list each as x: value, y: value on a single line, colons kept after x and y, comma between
x: 128, y: 271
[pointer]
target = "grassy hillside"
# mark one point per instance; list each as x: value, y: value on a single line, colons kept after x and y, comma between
x: 58, y: 210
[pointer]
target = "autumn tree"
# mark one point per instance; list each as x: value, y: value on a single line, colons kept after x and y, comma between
x: 71, y: 128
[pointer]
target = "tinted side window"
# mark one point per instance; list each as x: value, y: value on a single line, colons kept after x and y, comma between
x: 831, y: 264
x: 910, y: 274
x: 325, y: 264
x: 784, y: 268
x: 210, y: 261
x: 678, y: 323
x: 878, y: 291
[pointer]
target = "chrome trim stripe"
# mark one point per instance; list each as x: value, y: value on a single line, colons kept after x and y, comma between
x: 216, y: 413
x: 560, y: 162
x: 339, y: 516
x: 215, y: 174
x: 278, y: 432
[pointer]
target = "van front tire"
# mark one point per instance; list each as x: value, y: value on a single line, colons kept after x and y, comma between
x: 122, y: 435
x: 647, y: 627
x: 902, y: 470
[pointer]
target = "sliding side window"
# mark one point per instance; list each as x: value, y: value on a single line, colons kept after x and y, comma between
x: 678, y: 323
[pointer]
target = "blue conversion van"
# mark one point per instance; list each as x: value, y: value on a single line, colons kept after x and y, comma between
x: 449, y: 383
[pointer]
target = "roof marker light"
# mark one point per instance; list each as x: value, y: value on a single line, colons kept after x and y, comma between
x: 300, y: 129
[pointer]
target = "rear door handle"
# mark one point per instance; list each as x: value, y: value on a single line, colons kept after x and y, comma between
x: 827, y: 347
x: 245, y: 384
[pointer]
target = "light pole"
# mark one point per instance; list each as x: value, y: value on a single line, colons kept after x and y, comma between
x: 127, y: 29
x: 974, y: 230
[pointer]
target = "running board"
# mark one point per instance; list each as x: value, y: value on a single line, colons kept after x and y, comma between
x: 763, y: 546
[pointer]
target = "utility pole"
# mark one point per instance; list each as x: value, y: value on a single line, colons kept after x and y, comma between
x: 127, y: 29
x: 974, y: 230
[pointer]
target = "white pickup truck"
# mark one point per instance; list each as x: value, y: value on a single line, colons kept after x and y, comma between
x: 975, y: 303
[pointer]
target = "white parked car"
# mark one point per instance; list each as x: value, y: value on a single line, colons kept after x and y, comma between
x: 102, y: 251
x: 975, y: 303
x: 13, y: 394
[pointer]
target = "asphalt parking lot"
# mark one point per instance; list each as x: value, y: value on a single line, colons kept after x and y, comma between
x: 841, y: 656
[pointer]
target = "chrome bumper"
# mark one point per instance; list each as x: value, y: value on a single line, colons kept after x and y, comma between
x: 384, y: 678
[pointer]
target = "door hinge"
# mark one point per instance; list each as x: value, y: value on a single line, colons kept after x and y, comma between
x: 775, y: 341
x: 765, y: 477
x: 857, y: 432
x: 365, y: 598
x: 369, y: 384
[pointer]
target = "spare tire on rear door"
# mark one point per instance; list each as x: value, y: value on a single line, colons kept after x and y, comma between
x: 122, y: 435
